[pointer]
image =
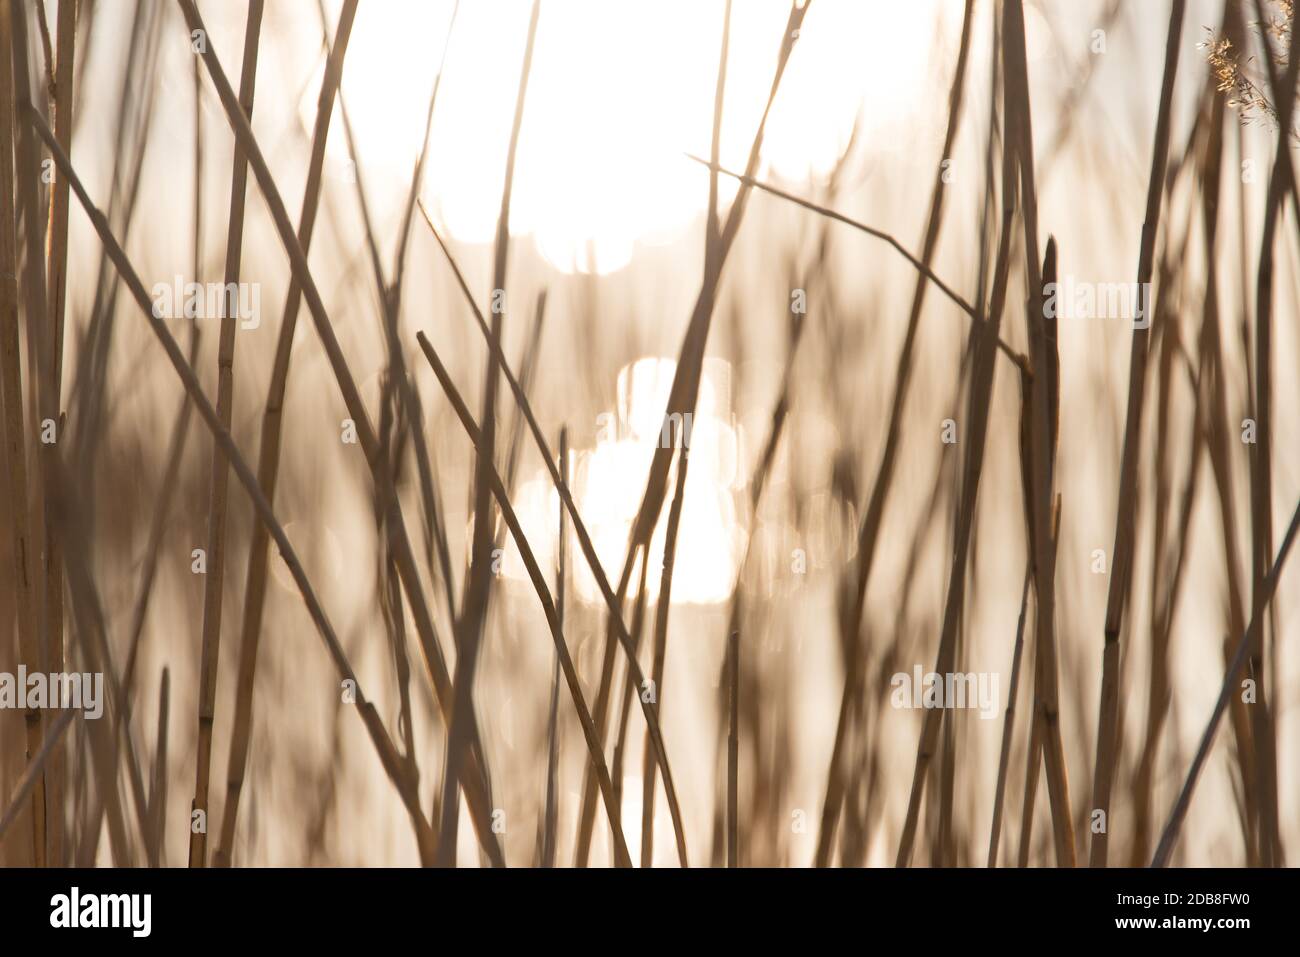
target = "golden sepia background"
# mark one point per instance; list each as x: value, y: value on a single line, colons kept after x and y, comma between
x: 777, y: 411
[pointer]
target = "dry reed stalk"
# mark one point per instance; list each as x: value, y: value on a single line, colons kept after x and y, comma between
x: 56, y: 274
x: 90, y: 627
x: 47, y: 49
x: 1158, y: 684
x: 92, y: 631
x: 922, y: 267
x: 398, y: 425
x: 63, y: 100
x: 158, y: 790
x: 1261, y: 463
x: 162, y: 515
x: 33, y: 220
x: 686, y: 377
x: 383, y: 744
x: 32, y: 776
x: 519, y: 391
x: 640, y: 540
x: 24, y: 550
x: 663, y: 607
x: 550, y: 815
x: 121, y: 720
x: 1033, y: 765
x: 733, y: 749
x: 1164, y: 319
x: 979, y: 402
x: 549, y: 824
x: 1167, y: 562
x: 531, y: 357
x: 1243, y: 270
x: 436, y: 544
x: 1037, y: 724
x: 757, y: 483
x: 395, y: 631
x: 272, y: 422
x: 219, y: 474
x: 1122, y: 554
x: 436, y: 529
x: 1198, y: 444
x: 587, y: 805
x: 648, y: 709
x: 80, y: 498
x: 32, y: 213
x: 943, y: 851
x: 474, y: 602
x: 208, y: 660
x: 475, y: 781
x: 1248, y: 640
x: 544, y: 596
x: 397, y: 384
x: 13, y: 760
x: 133, y: 120
x: 871, y: 781
x: 1220, y: 439
x: 629, y: 688
x: 1044, y: 427
x: 1008, y: 721
x: 731, y: 664
x: 868, y: 532
x: 417, y: 178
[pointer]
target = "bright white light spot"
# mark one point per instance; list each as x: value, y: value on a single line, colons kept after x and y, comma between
x: 609, y: 479
x: 619, y: 91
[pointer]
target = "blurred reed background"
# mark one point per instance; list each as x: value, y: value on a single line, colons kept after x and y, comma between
x: 393, y: 555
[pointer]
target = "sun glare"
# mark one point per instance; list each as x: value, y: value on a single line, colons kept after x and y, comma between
x: 619, y: 92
